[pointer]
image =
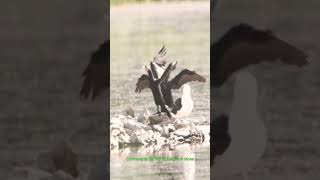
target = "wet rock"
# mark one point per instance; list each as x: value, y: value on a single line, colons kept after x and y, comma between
x: 159, y: 131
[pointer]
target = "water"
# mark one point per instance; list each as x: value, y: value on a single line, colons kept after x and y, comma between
x: 137, y: 33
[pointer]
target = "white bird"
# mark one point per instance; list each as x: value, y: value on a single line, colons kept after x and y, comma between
x: 246, y: 129
x: 184, y: 105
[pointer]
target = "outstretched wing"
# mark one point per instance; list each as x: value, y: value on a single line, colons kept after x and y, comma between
x: 96, y: 76
x: 243, y: 46
x: 143, y: 83
x: 185, y: 76
x: 160, y: 58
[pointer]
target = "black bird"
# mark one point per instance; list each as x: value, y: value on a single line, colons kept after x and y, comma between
x: 167, y: 85
x: 155, y: 86
x: 96, y: 76
x: 243, y: 45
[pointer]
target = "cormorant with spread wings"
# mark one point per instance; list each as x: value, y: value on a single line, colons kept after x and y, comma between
x: 157, y: 67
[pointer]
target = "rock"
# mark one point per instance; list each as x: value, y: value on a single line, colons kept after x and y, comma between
x: 135, y: 139
x: 156, y: 134
x: 143, y: 117
x: 162, y: 130
x: 117, y: 126
x: 157, y: 128
x: 150, y: 132
x: 171, y: 128
x: 115, y: 132
x: 156, y: 119
x: 129, y: 112
x: 60, y: 157
x: 165, y: 131
x: 114, y: 143
x: 187, y: 140
x: 172, y: 147
x: 160, y: 140
x: 180, y: 139
x: 181, y: 124
x: 124, y: 138
x: 133, y: 125
x: 129, y: 131
x: 184, y: 132
x: 142, y: 137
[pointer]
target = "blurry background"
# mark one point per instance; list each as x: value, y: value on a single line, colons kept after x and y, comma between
x: 45, y: 46
x: 289, y: 98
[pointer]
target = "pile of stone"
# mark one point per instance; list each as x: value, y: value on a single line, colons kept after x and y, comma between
x: 147, y: 129
x: 60, y: 162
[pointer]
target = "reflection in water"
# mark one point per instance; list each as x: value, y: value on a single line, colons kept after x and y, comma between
x: 123, y: 167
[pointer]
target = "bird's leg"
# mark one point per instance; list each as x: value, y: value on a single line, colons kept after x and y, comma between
x: 158, y: 110
x: 165, y: 109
